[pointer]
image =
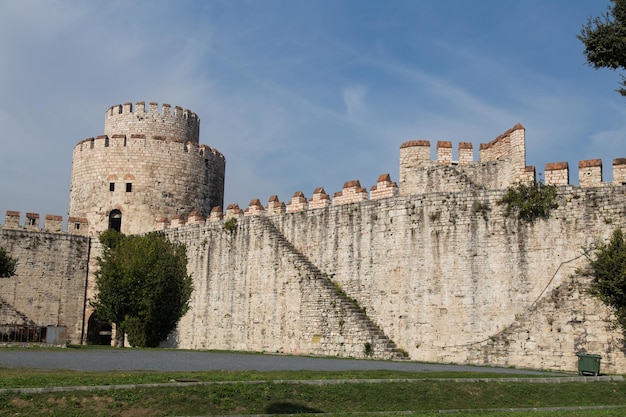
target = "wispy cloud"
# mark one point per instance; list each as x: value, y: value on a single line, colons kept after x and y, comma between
x: 354, y: 99
x: 296, y: 94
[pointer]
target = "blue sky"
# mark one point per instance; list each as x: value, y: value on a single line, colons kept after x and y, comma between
x: 299, y: 94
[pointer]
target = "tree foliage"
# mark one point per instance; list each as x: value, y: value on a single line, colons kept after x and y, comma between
x: 7, y: 264
x: 143, y: 286
x: 607, y: 267
x: 530, y: 201
x: 604, y: 38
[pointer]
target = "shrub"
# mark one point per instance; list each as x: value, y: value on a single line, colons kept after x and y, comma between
x: 530, y: 201
x: 230, y: 224
x: 607, y: 268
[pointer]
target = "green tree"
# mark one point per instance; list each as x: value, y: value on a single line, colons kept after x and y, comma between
x: 143, y: 286
x: 604, y: 38
x: 607, y: 267
x: 7, y: 264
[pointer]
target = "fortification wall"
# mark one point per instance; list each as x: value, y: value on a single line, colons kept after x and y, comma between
x: 502, y: 162
x: 49, y: 285
x: 451, y: 271
x: 442, y: 274
x: 145, y: 178
x: 251, y: 294
x: 436, y: 263
x: 565, y: 320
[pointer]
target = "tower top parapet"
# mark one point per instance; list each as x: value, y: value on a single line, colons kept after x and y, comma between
x: 123, y: 119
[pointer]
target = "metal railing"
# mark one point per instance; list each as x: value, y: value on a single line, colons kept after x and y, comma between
x: 22, y: 333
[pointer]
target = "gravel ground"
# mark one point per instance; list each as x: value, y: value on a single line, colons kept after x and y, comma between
x: 176, y: 360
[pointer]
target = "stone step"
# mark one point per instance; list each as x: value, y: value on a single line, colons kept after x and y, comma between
x: 344, y: 302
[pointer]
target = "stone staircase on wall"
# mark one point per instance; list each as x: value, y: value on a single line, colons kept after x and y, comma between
x: 551, y: 331
x: 382, y: 347
x: 9, y: 315
x: 446, y: 178
x: 460, y: 176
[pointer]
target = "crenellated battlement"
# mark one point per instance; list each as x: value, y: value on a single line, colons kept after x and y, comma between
x: 352, y: 192
x: 32, y: 221
x: 123, y: 119
x: 142, y: 141
x: 590, y: 173
x: 501, y: 164
x: 275, y: 206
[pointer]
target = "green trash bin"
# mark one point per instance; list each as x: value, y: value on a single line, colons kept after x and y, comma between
x: 588, y: 364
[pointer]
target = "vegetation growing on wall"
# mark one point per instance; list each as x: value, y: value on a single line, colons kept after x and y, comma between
x: 7, y: 264
x: 230, y: 224
x: 607, y: 267
x: 143, y: 286
x: 368, y: 350
x: 530, y: 201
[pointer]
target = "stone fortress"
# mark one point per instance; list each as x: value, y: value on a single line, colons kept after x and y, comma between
x: 147, y: 164
x: 431, y: 268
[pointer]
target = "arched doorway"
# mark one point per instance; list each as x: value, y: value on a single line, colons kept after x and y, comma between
x: 115, y: 220
x: 98, y: 333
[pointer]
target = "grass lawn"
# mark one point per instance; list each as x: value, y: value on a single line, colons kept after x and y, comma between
x: 270, y: 394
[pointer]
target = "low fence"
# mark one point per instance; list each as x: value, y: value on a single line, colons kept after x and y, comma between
x: 23, y: 333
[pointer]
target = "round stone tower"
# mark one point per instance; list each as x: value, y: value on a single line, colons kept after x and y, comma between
x: 147, y: 167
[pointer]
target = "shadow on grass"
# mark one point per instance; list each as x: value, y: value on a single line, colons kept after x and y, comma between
x: 290, y: 408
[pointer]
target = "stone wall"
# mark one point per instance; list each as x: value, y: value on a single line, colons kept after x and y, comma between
x: 50, y: 280
x: 441, y: 274
x: 564, y: 321
x: 254, y: 292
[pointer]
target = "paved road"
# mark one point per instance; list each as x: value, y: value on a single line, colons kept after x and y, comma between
x: 175, y: 360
